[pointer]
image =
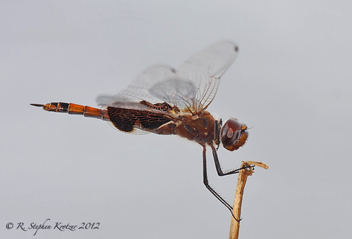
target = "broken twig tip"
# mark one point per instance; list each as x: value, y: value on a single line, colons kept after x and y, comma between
x: 247, y: 170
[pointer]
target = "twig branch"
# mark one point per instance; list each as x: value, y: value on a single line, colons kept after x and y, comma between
x: 237, y: 204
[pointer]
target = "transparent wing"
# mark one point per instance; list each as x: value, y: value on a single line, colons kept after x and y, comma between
x: 141, y: 87
x: 205, y: 69
x: 193, y: 86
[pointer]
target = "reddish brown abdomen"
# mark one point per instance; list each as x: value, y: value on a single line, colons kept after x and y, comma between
x: 71, y: 108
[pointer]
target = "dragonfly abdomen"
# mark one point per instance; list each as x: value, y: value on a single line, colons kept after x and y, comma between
x: 71, y: 108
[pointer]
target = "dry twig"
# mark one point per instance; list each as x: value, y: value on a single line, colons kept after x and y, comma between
x: 237, y: 204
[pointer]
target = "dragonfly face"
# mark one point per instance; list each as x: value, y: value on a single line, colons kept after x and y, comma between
x: 233, y: 135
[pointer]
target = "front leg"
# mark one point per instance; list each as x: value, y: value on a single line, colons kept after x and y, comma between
x: 218, y: 167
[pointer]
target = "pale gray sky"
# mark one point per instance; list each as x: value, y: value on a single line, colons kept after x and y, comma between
x: 291, y: 83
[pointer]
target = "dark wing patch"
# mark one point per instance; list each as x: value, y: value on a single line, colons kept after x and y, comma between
x: 160, y: 106
x: 127, y: 119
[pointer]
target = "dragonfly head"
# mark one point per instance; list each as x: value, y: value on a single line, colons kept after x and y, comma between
x: 233, y: 134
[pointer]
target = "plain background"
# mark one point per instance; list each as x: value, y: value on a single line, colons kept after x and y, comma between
x: 291, y: 83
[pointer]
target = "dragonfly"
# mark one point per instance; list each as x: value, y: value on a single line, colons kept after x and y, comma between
x: 168, y: 101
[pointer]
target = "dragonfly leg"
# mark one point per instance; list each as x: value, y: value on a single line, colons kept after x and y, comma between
x: 218, y: 167
x: 206, y: 183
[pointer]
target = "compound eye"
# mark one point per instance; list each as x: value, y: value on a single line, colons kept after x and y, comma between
x: 233, y: 134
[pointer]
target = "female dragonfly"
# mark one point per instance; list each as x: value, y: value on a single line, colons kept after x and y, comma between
x: 166, y: 101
